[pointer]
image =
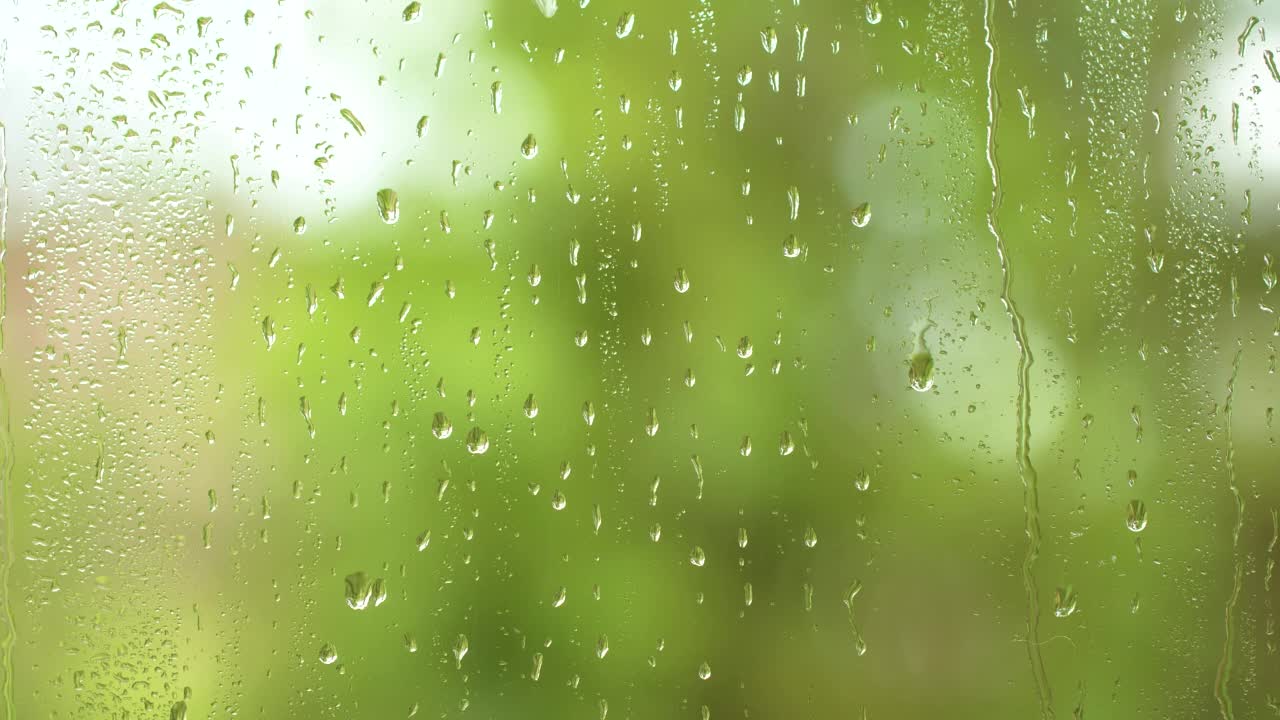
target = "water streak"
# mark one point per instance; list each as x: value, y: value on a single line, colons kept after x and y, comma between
x: 1026, y: 471
x: 1220, y: 684
x: 8, y: 634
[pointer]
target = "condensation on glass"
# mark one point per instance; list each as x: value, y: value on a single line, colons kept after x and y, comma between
x: 687, y: 358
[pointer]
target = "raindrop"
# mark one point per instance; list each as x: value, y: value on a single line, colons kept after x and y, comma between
x: 352, y: 120
x: 861, y: 215
x: 791, y: 247
x: 388, y: 206
x: 651, y: 423
x: 873, y: 13
x: 920, y: 367
x: 1137, y: 516
x: 477, y: 441
x: 460, y: 648
x: 359, y: 590
x: 625, y: 24
x: 441, y: 426
x: 682, y: 281
x: 786, y: 445
x: 769, y: 39
x: 328, y: 654
x: 1064, y: 601
x: 697, y: 557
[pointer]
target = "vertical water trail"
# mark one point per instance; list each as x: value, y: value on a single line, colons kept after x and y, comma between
x: 1027, y: 472
x: 1220, y: 683
x: 8, y: 637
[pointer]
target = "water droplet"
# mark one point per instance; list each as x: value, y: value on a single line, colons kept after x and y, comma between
x: 1137, y: 516
x: 460, y: 648
x: 769, y: 39
x: 352, y: 120
x: 558, y: 500
x: 388, y: 206
x: 530, y: 407
x: 791, y: 247
x: 441, y: 426
x: 704, y: 671
x: 1064, y: 601
x: 359, y: 590
x: 682, y: 280
x: 496, y: 91
x: 873, y: 13
x: 269, y: 331
x: 744, y: 347
x: 559, y: 598
x: 548, y: 9
x: 861, y: 215
x: 328, y: 654
x: 786, y: 445
x: 625, y: 24
x: 697, y: 557
x: 413, y: 12
x: 810, y: 537
x: 920, y: 367
x: 477, y: 441
x: 529, y: 148
x: 300, y: 225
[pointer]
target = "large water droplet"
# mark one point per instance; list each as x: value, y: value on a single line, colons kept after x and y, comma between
x: 388, y: 206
